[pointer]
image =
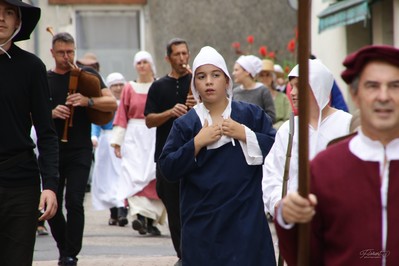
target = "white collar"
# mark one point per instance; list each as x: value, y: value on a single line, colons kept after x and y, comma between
x: 203, y: 114
x: 367, y: 149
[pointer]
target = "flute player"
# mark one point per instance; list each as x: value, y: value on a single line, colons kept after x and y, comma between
x: 167, y: 100
x: 76, y: 154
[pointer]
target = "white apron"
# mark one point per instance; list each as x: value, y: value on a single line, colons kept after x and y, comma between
x: 106, y: 175
x: 138, y: 166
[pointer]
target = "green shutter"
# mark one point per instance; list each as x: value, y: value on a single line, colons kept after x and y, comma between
x: 343, y: 13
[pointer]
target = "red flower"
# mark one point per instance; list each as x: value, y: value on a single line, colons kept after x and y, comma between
x: 291, y: 46
x: 236, y: 45
x: 250, y: 39
x: 287, y: 69
x: 272, y: 55
x: 263, y: 51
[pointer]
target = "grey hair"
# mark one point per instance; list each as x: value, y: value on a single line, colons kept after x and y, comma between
x: 174, y: 41
x: 63, y: 37
x: 354, y: 86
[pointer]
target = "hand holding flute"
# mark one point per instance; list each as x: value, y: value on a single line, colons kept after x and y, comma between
x: 69, y: 120
x: 61, y: 112
x: 190, y: 101
x: 66, y: 112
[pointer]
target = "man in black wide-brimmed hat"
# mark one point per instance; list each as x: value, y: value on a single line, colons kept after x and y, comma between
x: 24, y: 100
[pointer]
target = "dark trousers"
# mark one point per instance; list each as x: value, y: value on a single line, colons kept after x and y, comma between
x: 169, y: 193
x: 18, y: 222
x: 74, y: 173
x: 114, y: 212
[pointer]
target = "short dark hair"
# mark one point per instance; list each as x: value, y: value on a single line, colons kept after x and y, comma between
x: 63, y: 37
x: 174, y: 41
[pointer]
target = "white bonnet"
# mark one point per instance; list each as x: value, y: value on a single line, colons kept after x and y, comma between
x: 278, y: 68
x: 252, y: 64
x: 320, y: 80
x: 115, y: 78
x: 209, y: 55
x: 144, y: 55
x: 279, y: 71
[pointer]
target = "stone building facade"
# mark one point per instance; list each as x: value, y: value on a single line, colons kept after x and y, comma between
x: 116, y: 29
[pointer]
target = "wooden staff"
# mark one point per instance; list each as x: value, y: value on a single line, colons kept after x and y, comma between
x: 304, y: 21
x: 73, y: 84
x: 288, y: 155
x: 287, y: 168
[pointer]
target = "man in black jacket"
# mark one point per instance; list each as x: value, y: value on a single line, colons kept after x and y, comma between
x: 24, y: 99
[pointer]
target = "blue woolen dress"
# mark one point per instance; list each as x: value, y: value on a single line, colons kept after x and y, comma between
x: 222, y: 213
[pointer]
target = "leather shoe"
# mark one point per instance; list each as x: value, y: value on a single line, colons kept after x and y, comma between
x: 112, y: 221
x: 122, y: 221
x: 139, y: 226
x: 67, y: 261
x: 153, y: 230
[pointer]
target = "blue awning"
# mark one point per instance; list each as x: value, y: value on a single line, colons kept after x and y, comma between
x: 344, y: 13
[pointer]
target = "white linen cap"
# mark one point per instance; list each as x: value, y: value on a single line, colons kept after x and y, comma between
x: 252, y: 64
x: 320, y: 80
x: 115, y: 78
x: 209, y: 55
x: 144, y: 55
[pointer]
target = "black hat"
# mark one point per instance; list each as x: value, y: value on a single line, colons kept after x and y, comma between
x: 30, y: 17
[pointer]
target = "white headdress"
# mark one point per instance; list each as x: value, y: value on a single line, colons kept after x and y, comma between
x: 144, y: 55
x: 252, y: 64
x: 209, y: 55
x: 320, y: 80
x: 115, y: 78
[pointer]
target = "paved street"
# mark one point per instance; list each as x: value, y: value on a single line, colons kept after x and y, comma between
x: 105, y: 245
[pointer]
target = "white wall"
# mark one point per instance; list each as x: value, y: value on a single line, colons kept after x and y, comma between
x: 396, y: 23
x: 329, y: 46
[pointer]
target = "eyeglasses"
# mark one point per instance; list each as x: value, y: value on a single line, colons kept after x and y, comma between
x: 67, y: 52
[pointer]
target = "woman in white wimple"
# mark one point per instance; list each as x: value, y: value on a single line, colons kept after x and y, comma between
x: 107, y: 167
x: 135, y: 144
